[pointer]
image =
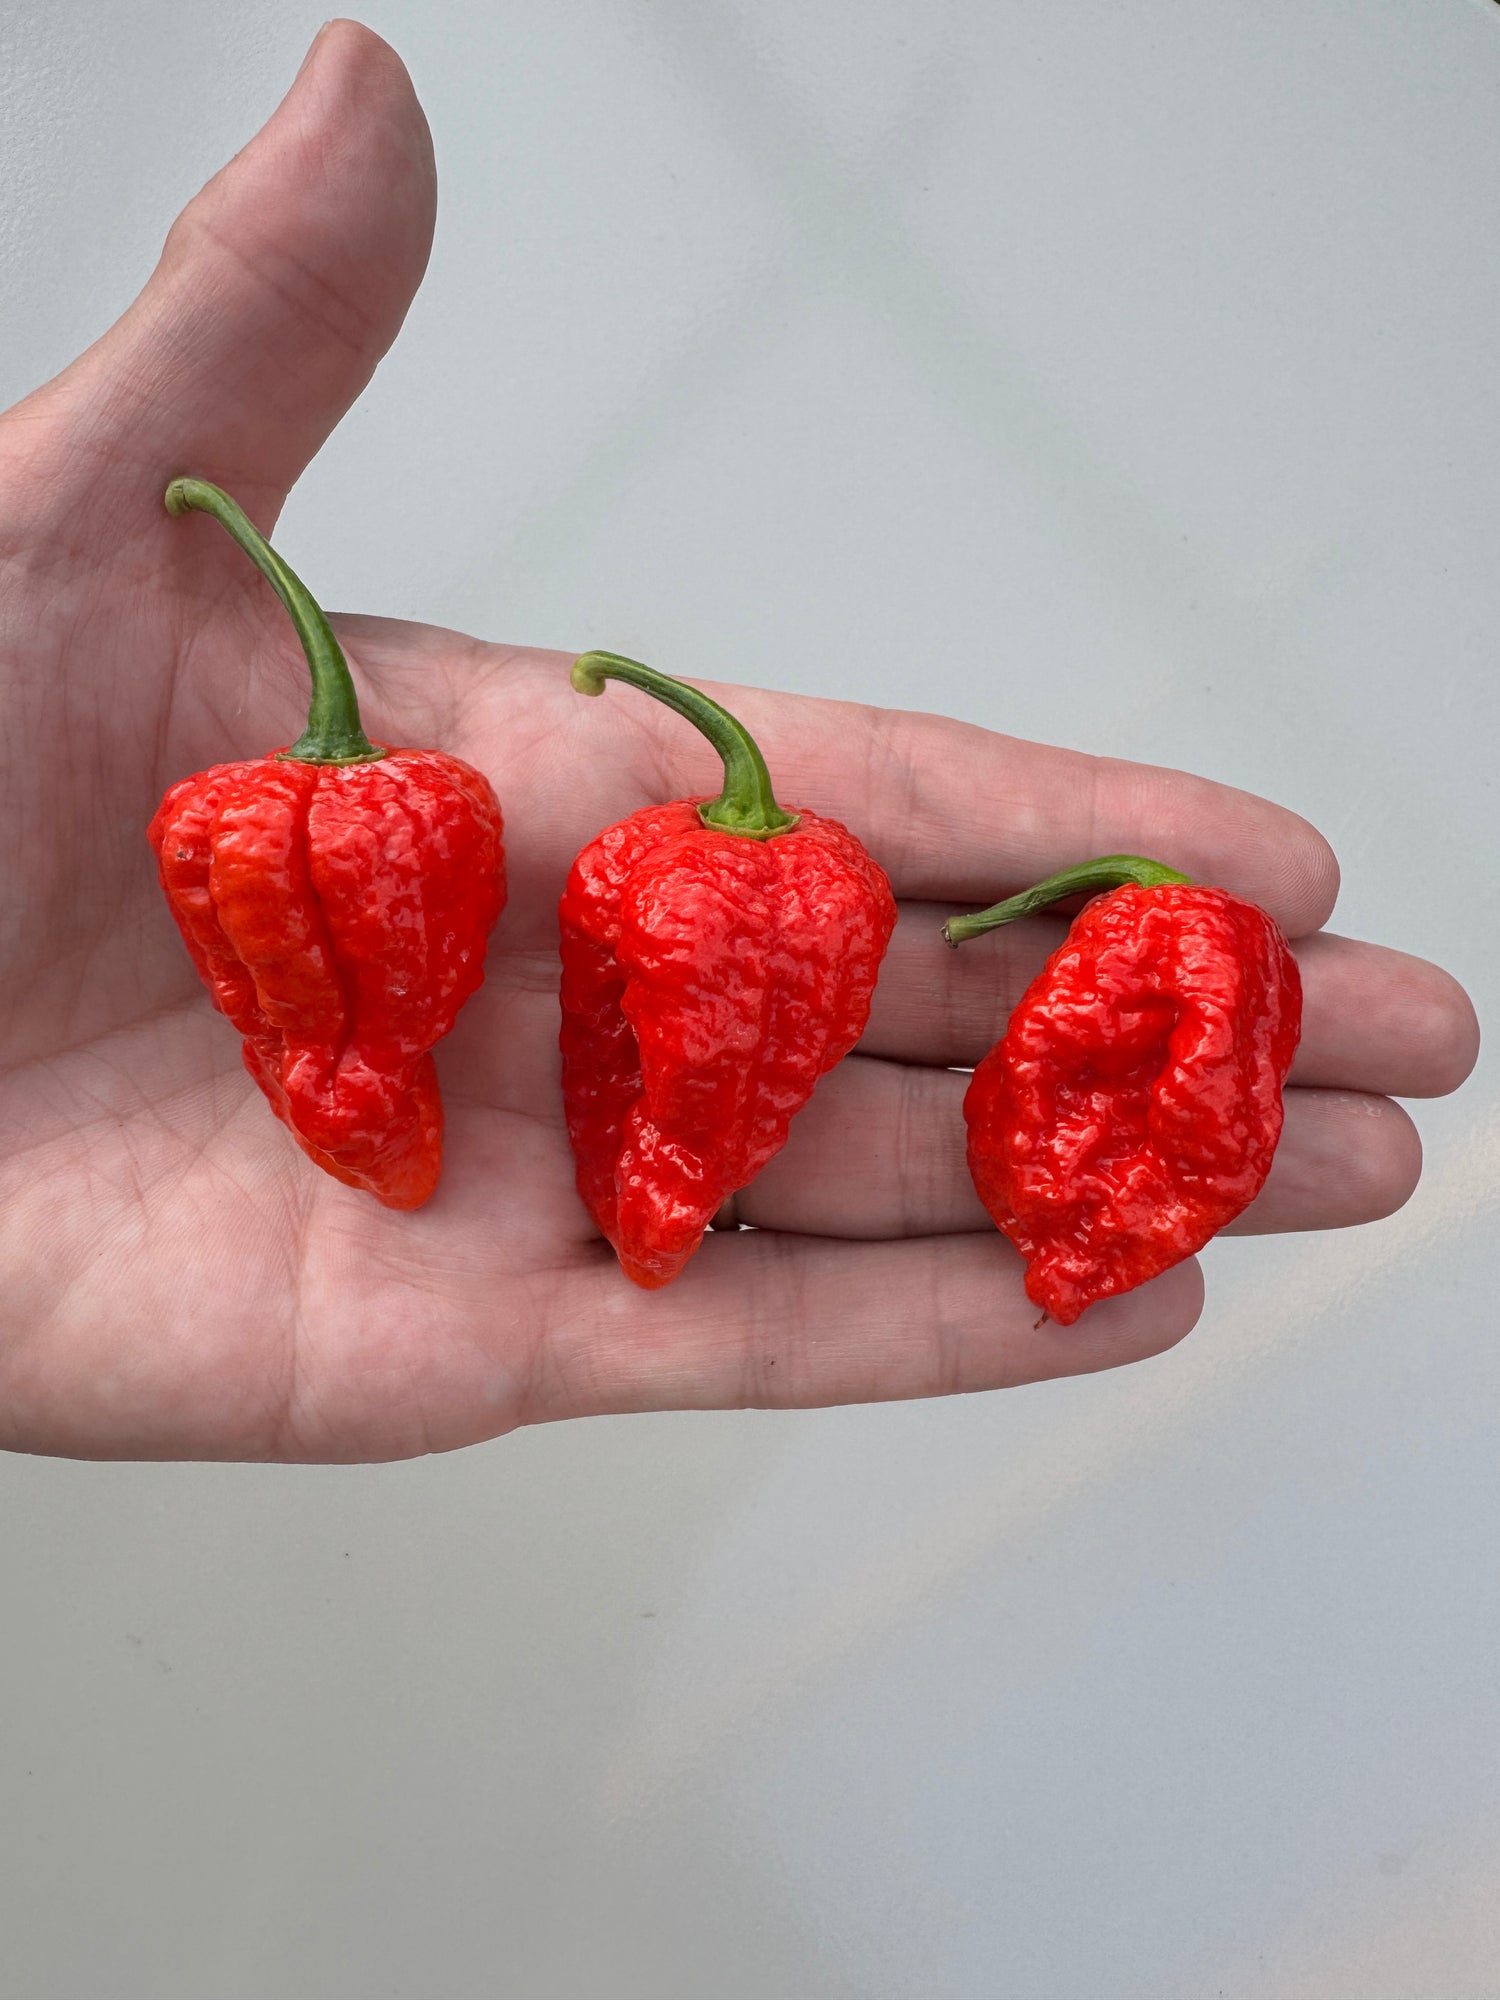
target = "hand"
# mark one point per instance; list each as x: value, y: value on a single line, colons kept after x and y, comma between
x: 175, y: 1278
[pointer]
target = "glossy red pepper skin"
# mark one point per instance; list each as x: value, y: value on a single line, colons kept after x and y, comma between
x: 338, y: 915
x: 336, y: 898
x: 709, y: 980
x: 1133, y: 1105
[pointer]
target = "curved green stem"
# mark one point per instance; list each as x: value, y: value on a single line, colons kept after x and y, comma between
x: 333, y: 734
x: 1089, y: 878
x: 747, y: 804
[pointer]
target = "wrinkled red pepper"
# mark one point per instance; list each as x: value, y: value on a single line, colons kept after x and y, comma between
x: 718, y: 958
x: 1133, y: 1105
x: 336, y: 898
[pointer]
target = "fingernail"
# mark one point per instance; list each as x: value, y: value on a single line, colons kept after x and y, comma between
x: 312, y: 47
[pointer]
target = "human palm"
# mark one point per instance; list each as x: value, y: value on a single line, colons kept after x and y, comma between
x: 178, y: 1280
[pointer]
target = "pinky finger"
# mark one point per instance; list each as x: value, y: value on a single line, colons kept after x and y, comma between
x: 765, y: 1320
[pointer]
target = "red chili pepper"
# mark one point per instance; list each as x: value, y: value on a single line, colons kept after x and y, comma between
x: 1133, y: 1105
x: 718, y: 958
x: 336, y: 898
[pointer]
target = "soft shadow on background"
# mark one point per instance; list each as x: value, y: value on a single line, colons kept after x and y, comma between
x: 1120, y: 377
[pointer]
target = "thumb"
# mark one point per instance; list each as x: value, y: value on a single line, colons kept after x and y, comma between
x: 280, y: 287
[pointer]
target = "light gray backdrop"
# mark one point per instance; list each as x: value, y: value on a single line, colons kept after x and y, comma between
x: 1123, y: 376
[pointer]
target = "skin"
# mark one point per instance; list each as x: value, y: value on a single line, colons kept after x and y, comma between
x: 175, y: 1279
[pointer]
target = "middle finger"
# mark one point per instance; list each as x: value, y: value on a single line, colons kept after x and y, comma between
x: 1372, y: 1019
x: 879, y: 1152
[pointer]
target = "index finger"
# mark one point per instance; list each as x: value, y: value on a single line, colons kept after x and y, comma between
x: 958, y: 813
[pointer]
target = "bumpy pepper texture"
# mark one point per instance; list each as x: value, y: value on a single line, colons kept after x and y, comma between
x: 336, y: 898
x: 338, y: 915
x: 718, y: 957
x: 708, y: 982
x: 1133, y: 1105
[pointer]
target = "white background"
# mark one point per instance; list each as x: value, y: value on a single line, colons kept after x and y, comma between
x: 1124, y: 376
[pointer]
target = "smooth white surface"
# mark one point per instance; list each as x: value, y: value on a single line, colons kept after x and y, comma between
x: 1119, y: 376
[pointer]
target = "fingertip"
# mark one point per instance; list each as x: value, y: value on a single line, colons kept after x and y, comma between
x: 1136, y: 1326
x: 1313, y: 877
x: 1444, y: 1029
x: 347, y: 55
x: 1387, y: 1178
x: 358, y: 111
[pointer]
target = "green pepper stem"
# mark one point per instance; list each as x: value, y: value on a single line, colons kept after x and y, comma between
x: 747, y: 805
x: 1089, y: 878
x: 333, y: 734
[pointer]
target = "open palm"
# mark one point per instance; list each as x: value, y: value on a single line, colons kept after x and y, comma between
x: 177, y: 1278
